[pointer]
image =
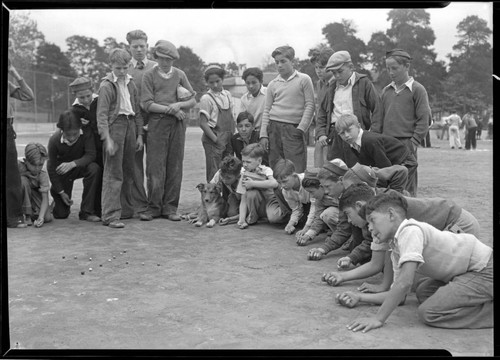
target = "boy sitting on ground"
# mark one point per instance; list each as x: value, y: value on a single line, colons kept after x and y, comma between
x: 458, y: 290
x: 255, y: 186
x: 35, y: 185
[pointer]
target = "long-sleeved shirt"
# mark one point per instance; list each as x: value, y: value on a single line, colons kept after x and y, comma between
x: 254, y: 105
x: 82, y: 152
x: 290, y: 101
x: 320, y: 205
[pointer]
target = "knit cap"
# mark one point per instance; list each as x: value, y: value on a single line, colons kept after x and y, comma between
x: 366, y: 174
x: 336, y: 166
x: 81, y: 83
x: 35, y: 152
x: 166, y: 49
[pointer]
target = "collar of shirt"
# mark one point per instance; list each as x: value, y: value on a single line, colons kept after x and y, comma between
x: 295, y: 73
x: 350, y: 82
x: 134, y: 62
x: 64, y: 141
x: 408, y: 84
x: 127, y: 78
x: 358, y: 140
x: 393, y: 241
x: 164, y: 74
x: 77, y: 102
x: 261, y: 92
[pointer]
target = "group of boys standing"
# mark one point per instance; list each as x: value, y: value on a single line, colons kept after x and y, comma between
x: 364, y: 142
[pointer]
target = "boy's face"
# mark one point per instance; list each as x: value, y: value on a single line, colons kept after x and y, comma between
x: 316, y: 193
x: 322, y: 73
x: 350, y: 134
x: 250, y: 163
x: 71, y: 136
x: 35, y: 169
x: 332, y: 188
x: 289, y: 182
x: 354, y: 218
x: 245, y: 128
x: 343, y: 74
x: 229, y: 179
x: 397, y: 72
x: 84, y: 97
x: 120, y: 70
x: 138, y: 48
x: 214, y: 82
x: 381, y: 225
x: 253, y: 85
x: 284, y: 65
x: 165, y: 63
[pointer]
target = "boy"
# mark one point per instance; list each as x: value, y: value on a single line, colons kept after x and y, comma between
x: 138, y: 47
x: 71, y: 157
x: 166, y: 130
x: 351, y: 93
x: 13, y: 187
x: 374, y: 149
x: 295, y: 195
x: 246, y: 134
x: 36, y: 186
x: 454, y: 123
x: 469, y: 122
x: 119, y: 122
x: 405, y: 104
x: 255, y: 186
x: 458, y: 293
x: 229, y: 176
x: 288, y: 112
x: 254, y: 100
x: 319, y: 59
x: 440, y: 213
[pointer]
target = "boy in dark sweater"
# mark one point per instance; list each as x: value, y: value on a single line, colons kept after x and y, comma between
x: 71, y: 157
x: 374, y: 149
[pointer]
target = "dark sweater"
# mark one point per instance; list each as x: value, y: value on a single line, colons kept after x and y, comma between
x: 237, y: 144
x: 82, y: 153
x: 381, y: 151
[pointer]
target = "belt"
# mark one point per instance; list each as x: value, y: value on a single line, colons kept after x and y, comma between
x: 128, y: 117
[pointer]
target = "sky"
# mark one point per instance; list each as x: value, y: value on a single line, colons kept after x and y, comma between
x: 244, y: 36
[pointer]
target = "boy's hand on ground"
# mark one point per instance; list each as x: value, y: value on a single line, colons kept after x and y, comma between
x: 289, y: 228
x: 365, y: 324
x: 65, y: 198
x: 348, y: 299
x: 344, y: 262
x: 38, y: 222
x: 139, y: 144
x: 323, y: 140
x: 264, y: 142
x: 303, y: 239
x: 65, y: 167
x: 370, y: 288
x: 332, y: 278
x: 315, y: 254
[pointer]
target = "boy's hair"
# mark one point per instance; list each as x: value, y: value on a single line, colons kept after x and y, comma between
x: 401, y: 56
x: 383, y: 201
x: 35, y: 153
x: 69, y: 120
x: 345, y: 121
x: 354, y: 193
x: 254, y: 71
x: 254, y: 151
x: 136, y: 35
x: 119, y: 56
x: 245, y: 115
x: 283, y: 168
x: 321, y: 57
x: 230, y: 165
x: 286, y: 51
x: 214, y: 69
x: 310, y: 180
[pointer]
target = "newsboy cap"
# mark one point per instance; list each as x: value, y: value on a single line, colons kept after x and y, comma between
x: 338, y: 59
x: 166, y: 49
x: 81, y: 83
x: 398, y: 52
x: 365, y: 173
x: 336, y: 166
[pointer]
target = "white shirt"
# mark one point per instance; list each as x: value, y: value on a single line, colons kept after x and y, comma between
x: 125, y: 104
x: 255, y: 105
x: 357, y: 143
x: 77, y: 102
x: 342, y: 101
x: 408, y: 84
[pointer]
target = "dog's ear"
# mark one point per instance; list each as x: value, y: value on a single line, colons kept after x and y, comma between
x: 200, y: 186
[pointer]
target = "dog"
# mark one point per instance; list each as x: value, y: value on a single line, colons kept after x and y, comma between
x: 212, y: 208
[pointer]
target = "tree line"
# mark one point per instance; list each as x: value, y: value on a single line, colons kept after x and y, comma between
x: 464, y: 84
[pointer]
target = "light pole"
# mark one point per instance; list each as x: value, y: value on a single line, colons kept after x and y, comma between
x: 52, y: 97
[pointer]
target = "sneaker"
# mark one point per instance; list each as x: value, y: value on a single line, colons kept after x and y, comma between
x: 20, y: 224
x: 172, y: 217
x: 116, y: 224
x: 93, y: 218
x: 145, y: 216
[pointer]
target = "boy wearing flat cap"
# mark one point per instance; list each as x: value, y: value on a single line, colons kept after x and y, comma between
x: 350, y: 93
x: 166, y: 129
x: 405, y: 107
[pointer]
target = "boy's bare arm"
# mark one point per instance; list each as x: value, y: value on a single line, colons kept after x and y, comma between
x: 374, y: 266
x: 207, y: 130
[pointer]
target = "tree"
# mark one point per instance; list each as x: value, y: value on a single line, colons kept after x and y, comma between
x: 193, y: 66
x: 110, y: 43
x: 469, y: 83
x: 342, y: 36
x: 268, y: 64
x: 51, y: 59
x: 87, y: 58
x: 24, y: 39
x: 232, y: 68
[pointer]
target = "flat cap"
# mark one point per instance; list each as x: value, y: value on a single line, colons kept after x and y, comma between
x: 80, y: 83
x: 338, y: 59
x: 398, y: 52
x: 336, y: 166
x: 365, y: 173
x: 166, y: 49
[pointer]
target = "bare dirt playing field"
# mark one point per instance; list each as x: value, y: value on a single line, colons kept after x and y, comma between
x: 169, y: 285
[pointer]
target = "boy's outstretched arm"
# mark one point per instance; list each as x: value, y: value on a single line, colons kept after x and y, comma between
x: 386, y: 281
x: 374, y: 266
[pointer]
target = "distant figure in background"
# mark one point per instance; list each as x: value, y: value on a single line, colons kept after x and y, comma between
x: 470, y: 125
x: 454, y: 123
x: 490, y: 127
x: 13, y: 187
x: 254, y: 100
x: 319, y: 59
x: 36, y: 185
x: 288, y: 112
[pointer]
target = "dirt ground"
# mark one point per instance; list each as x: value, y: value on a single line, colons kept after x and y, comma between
x: 170, y: 285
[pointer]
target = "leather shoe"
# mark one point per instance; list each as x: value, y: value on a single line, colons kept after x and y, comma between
x: 173, y: 217
x: 145, y: 217
x: 116, y: 224
x: 93, y: 218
